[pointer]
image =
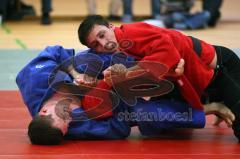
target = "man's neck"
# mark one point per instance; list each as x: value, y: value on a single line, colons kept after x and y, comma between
x: 75, y: 103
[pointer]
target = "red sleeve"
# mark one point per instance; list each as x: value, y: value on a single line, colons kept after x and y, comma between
x: 162, y: 55
x: 163, y: 59
x: 97, y: 102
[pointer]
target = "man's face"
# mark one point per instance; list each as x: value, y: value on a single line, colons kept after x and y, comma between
x: 102, y: 39
x: 60, y: 113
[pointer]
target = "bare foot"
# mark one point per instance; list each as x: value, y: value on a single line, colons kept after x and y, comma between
x: 217, y: 121
x: 221, y: 111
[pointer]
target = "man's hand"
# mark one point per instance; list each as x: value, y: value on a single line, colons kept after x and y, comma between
x: 84, y: 79
x: 80, y: 78
x: 115, y: 74
x: 179, y: 70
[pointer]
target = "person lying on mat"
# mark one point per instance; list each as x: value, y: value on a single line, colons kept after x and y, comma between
x: 209, y: 69
x: 54, y: 102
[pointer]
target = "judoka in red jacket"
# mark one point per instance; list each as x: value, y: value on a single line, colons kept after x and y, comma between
x: 166, y: 47
x: 205, y: 65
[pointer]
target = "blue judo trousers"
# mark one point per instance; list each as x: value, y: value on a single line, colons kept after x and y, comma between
x: 35, y: 83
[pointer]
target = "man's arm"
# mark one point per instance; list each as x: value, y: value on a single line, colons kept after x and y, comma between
x: 85, y: 128
x: 120, y: 72
x: 34, y: 79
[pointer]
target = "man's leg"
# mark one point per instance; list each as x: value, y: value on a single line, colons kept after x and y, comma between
x: 228, y: 83
x: 46, y: 9
x: 3, y: 9
x: 91, y: 6
x: 127, y: 11
x: 153, y: 117
x: 156, y: 9
x: 213, y: 6
x: 114, y: 7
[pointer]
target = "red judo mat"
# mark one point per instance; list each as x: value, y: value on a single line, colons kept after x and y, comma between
x: 210, y: 142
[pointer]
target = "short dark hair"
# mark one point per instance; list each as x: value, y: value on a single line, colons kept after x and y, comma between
x: 42, y: 132
x: 87, y: 25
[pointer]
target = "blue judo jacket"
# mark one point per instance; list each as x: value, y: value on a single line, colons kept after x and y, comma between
x: 35, y: 83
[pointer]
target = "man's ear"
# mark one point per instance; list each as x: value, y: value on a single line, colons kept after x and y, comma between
x: 43, y: 111
x: 63, y: 105
x: 111, y: 26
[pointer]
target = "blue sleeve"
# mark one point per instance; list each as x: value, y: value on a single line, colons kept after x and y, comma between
x: 83, y: 128
x: 154, y: 116
x: 93, y: 64
x: 33, y: 79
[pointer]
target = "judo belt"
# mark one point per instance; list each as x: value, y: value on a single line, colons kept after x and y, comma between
x: 196, y: 45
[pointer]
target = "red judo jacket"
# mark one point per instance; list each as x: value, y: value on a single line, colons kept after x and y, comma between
x: 149, y: 43
x: 93, y: 106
